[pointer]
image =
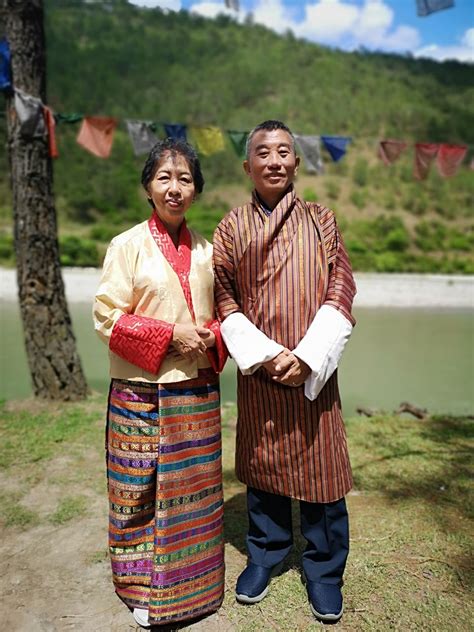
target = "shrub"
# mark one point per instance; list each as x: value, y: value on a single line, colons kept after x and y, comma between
x: 333, y: 189
x: 7, y: 252
x: 358, y: 198
x: 388, y: 262
x: 76, y: 251
x: 397, y: 239
x: 360, y: 173
x: 104, y: 233
x: 430, y: 236
x: 460, y: 241
x: 310, y: 195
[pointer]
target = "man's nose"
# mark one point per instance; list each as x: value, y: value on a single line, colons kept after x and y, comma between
x: 274, y: 159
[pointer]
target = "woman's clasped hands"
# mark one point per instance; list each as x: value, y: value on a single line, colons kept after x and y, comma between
x: 192, y: 341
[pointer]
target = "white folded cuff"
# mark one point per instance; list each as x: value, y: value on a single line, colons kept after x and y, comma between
x: 322, y: 346
x: 249, y: 346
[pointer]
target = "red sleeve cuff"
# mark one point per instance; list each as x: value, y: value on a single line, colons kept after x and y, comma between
x: 218, y: 354
x: 142, y: 341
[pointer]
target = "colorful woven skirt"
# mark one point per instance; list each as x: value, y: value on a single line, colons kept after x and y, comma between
x: 165, y: 493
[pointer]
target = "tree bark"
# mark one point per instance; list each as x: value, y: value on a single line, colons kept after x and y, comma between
x: 53, y: 360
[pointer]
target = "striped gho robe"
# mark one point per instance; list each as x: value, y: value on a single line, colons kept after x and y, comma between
x: 278, y: 270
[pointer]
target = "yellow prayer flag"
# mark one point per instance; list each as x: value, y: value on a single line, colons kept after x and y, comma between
x: 209, y: 140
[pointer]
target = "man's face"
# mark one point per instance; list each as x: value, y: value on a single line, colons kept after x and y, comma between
x: 272, y: 164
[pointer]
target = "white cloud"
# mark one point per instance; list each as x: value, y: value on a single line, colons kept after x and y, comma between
x: 341, y: 23
x: 274, y: 15
x: 211, y: 9
x: 174, y: 5
x: 327, y: 20
x: 464, y: 51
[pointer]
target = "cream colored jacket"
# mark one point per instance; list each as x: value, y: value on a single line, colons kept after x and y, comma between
x: 137, y: 279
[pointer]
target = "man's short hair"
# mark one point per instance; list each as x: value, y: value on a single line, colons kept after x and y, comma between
x: 269, y: 126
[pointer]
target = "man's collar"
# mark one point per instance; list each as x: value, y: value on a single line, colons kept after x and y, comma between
x: 263, y: 205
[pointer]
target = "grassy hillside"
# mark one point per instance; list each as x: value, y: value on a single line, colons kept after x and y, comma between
x: 116, y: 59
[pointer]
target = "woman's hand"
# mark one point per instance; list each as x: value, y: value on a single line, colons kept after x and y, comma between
x: 188, y: 342
x: 207, y: 336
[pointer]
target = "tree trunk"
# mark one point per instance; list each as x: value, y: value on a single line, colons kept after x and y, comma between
x: 54, y: 363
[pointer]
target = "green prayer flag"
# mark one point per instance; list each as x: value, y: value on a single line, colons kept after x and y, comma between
x: 68, y: 118
x: 239, y: 141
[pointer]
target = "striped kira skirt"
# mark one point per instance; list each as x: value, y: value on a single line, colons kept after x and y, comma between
x: 165, y: 496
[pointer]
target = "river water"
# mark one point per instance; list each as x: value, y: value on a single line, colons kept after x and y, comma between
x: 421, y: 355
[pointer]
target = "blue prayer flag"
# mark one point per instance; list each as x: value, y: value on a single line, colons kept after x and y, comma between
x: 425, y: 7
x: 336, y: 145
x: 177, y: 132
x: 5, y: 66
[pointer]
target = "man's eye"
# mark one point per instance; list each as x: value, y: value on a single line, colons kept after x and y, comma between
x: 262, y: 154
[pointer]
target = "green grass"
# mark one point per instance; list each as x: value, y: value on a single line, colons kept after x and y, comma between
x: 27, y: 437
x: 69, y: 508
x: 410, y: 566
x: 13, y: 514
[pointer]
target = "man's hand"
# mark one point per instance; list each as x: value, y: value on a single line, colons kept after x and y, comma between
x: 290, y: 370
x: 274, y: 366
x: 188, y: 342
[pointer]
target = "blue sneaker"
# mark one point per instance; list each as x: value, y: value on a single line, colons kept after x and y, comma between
x: 253, y: 583
x: 325, y: 601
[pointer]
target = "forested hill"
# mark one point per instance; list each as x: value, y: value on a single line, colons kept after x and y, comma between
x: 112, y: 58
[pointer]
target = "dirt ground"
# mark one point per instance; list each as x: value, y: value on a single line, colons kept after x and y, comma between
x: 57, y: 578
x: 410, y: 558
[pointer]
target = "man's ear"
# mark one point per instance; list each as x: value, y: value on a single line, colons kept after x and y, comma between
x: 246, y: 167
x: 297, y: 164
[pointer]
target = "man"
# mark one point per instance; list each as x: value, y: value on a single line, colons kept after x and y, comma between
x: 284, y: 291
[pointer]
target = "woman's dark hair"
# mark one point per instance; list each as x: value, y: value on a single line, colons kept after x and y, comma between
x: 174, y: 147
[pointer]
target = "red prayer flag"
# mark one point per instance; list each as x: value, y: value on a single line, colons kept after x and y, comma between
x: 390, y: 150
x: 425, y: 153
x: 449, y: 158
x: 97, y: 135
x: 51, y: 127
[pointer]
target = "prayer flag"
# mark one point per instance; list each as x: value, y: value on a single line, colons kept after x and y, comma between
x: 177, y: 132
x: 51, y: 127
x: 141, y: 135
x: 310, y: 148
x: 5, y: 66
x: 425, y: 7
x: 209, y: 140
x: 390, y: 150
x: 68, y: 118
x: 449, y: 159
x: 336, y: 146
x: 97, y: 135
x: 425, y: 153
x: 239, y: 142
x: 232, y: 4
x: 30, y: 114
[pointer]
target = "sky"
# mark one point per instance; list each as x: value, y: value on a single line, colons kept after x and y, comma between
x: 384, y: 25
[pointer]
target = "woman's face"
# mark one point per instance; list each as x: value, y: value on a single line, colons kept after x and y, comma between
x: 172, y: 188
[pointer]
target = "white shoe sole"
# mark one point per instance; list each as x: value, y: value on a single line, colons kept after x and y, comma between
x: 141, y: 617
x: 326, y: 617
x: 246, y: 599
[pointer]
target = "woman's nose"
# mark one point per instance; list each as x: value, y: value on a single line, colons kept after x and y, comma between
x: 174, y: 185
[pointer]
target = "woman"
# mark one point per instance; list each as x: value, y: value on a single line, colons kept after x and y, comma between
x: 155, y: 309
